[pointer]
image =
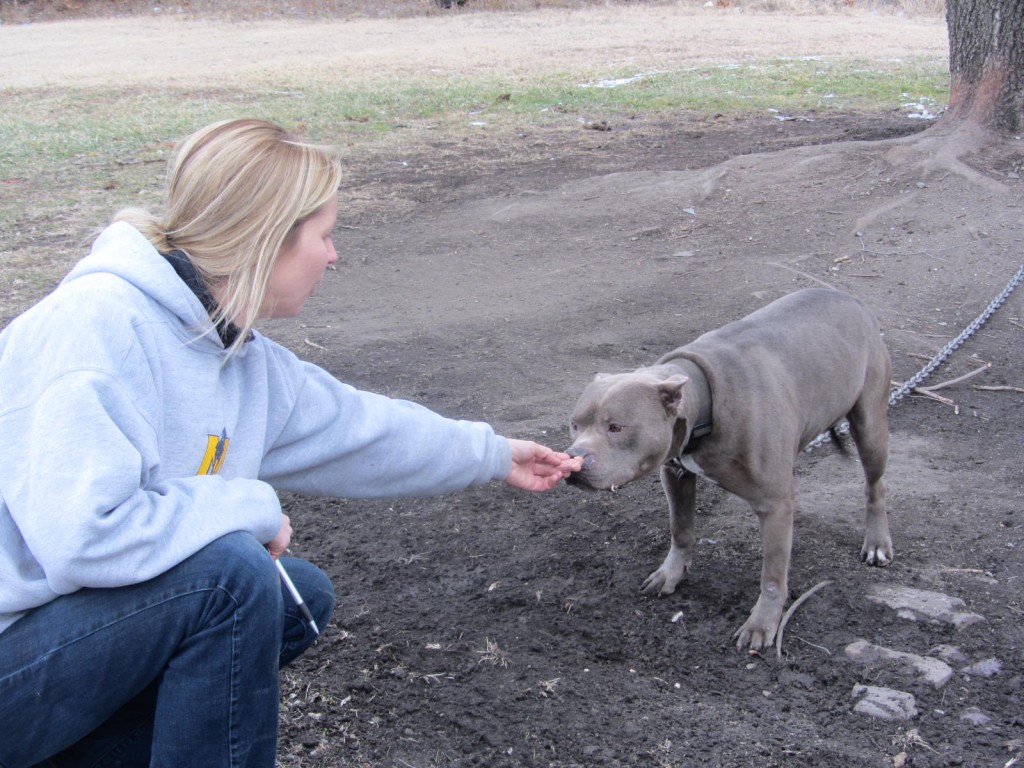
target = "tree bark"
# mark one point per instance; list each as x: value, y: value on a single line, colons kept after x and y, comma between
x: 986, y: 63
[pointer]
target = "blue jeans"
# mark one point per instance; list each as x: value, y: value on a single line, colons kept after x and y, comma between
x: 181, y: 670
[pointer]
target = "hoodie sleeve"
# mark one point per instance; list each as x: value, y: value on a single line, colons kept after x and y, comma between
x: 81, y: 489
x: 336, y: 440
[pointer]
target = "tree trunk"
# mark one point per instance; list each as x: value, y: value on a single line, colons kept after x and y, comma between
x: 986, y: 63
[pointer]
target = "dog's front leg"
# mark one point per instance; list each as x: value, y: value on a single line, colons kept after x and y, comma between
x: 680, y: 488
x: 776, y: 519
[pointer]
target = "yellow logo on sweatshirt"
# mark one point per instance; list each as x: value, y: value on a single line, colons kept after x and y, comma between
x: 216, y: 451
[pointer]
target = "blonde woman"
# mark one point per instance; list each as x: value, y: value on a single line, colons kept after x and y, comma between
x: 145, y: 428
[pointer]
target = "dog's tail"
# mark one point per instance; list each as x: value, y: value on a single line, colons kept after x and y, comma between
x: 838, y: 440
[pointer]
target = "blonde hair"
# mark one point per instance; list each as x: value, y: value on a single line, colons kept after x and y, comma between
x: 235, y: 191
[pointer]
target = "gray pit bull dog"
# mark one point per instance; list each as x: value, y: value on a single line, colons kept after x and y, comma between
x: 736, y: 406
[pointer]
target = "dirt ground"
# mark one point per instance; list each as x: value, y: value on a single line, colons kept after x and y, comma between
x: 500, y: 628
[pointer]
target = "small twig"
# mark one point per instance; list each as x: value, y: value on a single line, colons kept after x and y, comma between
x: 930, y: 391
x: 819, y: 647
x: 864, y: 249
x: 958, y: 379
x: 913, y: 737
x: 314, y: 344
x: 966, y: 570
x: 999, y: 388
x: 124, y: 163
x: 802, y: 273
x: 792, y: 609
x: 924, y: 392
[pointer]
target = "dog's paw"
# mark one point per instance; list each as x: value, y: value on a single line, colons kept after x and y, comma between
x: 877, y: 554
x: 658, y: 584
x: 754, y: 638
x: 759, y: 630
x: 665, y: 580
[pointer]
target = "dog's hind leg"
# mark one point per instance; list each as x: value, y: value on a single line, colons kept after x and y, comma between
x: 869, y: 427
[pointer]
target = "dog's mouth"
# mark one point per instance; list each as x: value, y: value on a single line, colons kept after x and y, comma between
x: 578, y: 480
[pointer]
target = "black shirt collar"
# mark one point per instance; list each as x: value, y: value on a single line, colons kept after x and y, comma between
x: 187, y: 271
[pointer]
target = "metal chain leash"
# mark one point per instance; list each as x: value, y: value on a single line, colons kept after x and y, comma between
x: 905, y: 388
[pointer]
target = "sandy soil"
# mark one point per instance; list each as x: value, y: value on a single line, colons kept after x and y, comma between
x: 491, y: 281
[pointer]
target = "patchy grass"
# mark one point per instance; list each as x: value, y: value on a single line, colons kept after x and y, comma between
x: 88, y: 137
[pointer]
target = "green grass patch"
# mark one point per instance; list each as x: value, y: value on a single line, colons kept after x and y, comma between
x: 40, y: 131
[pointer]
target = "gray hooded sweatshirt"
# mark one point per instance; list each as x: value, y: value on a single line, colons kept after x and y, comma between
x: 129, y: 441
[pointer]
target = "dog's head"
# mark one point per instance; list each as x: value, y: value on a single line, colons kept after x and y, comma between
x: 623, y: 425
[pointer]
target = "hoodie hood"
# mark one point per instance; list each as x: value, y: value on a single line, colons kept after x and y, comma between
x: 122, y: 251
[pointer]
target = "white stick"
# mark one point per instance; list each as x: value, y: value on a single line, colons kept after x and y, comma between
x: 297, y: 598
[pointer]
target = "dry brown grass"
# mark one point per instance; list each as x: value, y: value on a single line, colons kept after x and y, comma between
x: 20, y: 11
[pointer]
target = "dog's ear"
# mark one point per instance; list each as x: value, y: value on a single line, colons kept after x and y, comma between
x: 671, y: 393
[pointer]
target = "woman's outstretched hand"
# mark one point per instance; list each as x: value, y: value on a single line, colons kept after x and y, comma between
x: 538, y: 468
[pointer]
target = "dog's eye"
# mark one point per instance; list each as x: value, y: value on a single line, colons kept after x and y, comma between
x: 573, y: 427
x: 614, y: 427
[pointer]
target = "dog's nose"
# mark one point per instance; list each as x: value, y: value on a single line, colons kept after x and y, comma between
x: 580, y: 453
x: 573, y: 451
x: 578, y: 478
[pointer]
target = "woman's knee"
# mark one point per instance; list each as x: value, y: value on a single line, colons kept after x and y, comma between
x: 317, y: 593
x: 315, y: 587
x: 240, y: 567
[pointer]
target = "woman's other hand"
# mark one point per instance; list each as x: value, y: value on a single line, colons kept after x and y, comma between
x: 277, y: 545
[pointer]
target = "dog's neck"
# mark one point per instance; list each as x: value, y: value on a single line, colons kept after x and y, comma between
x: 698, y: 408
